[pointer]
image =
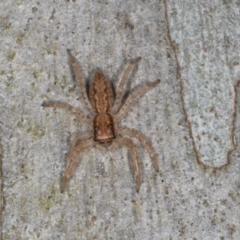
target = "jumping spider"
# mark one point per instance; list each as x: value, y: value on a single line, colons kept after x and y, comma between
x: 105, y: 114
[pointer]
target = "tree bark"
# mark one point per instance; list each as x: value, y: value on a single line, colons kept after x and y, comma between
x: 190, y: 119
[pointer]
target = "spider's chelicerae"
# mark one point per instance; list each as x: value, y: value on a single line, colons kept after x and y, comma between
x: 104, y: 115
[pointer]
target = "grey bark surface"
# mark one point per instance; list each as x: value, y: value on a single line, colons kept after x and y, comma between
x: 191, y: 119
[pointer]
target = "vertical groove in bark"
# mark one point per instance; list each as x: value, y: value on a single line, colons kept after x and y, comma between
x: 179, y: 77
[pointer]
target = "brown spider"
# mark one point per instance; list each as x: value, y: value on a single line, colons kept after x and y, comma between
x: 105, y: 113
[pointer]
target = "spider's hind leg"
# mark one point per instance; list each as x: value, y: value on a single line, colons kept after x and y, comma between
x: 119, y: 93
x: 80, y: 79
x: 138, y: 92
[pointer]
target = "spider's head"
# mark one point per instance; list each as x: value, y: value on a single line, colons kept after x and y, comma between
x: 103, y: 126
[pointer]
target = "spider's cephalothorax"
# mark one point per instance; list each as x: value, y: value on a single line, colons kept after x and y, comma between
x: 106, y: 113
x: 103, y: 128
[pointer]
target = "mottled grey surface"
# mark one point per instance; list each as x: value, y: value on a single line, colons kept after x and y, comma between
x: 185, y: 200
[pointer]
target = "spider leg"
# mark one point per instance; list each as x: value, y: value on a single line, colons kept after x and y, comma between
x: 135, y: 134
x: 72, y: 155
x: 56, y: 104
x: 140, y: 91
x: 129, y: 143
x: 119, y: 95
x: 81, y: 82
x: 80, y: 137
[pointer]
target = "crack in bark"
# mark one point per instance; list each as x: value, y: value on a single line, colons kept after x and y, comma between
x: 234, y: 114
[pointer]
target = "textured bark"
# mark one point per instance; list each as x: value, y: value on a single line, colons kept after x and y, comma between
x: 190, y: 118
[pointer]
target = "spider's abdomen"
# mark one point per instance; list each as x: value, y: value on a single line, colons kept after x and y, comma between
x: 101, y: 93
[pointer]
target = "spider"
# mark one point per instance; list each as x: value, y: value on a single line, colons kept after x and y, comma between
x: 105, y: 113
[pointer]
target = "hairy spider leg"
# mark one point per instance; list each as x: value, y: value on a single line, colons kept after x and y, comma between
x: 135, y: 134
x: 129, y: 144
x: 56, y: 104
x: 138, y: 92
x: 120, y: 87
x: 73, y: 152
x: 81, y: 82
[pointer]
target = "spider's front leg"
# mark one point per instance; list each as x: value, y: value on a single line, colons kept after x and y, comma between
x: 129, y: 144
x: 78, y: 138
x: 135, y: 134
x: 75, y: 148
